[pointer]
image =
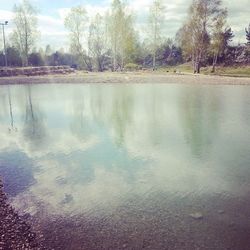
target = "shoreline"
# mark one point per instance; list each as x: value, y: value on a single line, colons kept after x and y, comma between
x: 126, y: 78
x: 15, y: 233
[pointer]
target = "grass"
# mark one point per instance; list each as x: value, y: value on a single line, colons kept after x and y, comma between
x: 239, y: 71
x: 234, y: 71
x: 182, y: 68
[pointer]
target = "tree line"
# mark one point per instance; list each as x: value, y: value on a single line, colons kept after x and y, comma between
x: 112, y: 42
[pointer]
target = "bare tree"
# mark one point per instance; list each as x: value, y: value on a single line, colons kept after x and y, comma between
x: 25, y: 32
x: 156, y: 24
x: 76, y: 23
x: 120, y: 32
x: 97, y: 41
x: 218, y: 35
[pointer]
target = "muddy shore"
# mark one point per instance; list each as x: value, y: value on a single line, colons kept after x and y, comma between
x: 136, y: 78
x: 15, y: 233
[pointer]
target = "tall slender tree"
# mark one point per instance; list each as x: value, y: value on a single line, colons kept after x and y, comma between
x: 97, y: 40
x: 76, y: 23
x: 218, y: 38
x: 115, y: 18
x: 25, y: 31
x: 156, y: 24
x: 120, y: 32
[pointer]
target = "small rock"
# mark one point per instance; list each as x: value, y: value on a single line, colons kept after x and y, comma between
x: 221, y: 211
x: 231, y: 224
x: 197, y: 216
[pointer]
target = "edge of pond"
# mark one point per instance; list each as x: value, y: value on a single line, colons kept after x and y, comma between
x: 127, y: 78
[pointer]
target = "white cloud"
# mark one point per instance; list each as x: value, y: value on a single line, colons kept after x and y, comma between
x: 5, y: 15
x: 92, y: 10
x: 140, y: 5
x: 53, y: 31
x: 63, y: 12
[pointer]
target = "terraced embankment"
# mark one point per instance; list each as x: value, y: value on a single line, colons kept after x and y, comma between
x: 35, y: 71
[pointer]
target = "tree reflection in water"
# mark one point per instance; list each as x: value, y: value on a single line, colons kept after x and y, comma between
x: 80, y: 125
x: 11, y: 128
x: 34, y: 130
x: 122, y: 112
x: 199, y: 114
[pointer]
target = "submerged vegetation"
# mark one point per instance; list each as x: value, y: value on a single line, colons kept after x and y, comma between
x: 113, y: 42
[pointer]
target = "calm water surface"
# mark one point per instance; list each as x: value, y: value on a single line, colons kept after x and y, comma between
x: 126, y: 166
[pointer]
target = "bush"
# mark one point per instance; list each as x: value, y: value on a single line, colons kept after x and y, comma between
x: 35, y: 59
x: 131, y: 67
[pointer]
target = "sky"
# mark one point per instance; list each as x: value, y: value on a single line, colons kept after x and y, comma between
x: 52, y: 13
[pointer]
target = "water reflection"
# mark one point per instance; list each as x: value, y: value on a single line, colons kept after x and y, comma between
x: 86, y: 149
x: 34, y: 129
x: 16, y: 168
x: 81, y: 126
x: 199, y: 113
x: 121, y: 117
x: 12, y: 128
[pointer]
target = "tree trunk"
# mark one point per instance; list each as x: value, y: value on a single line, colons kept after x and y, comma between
x: 197, y: 66
x: 154, y: 68
x: 26, y: 62
x: 87, y: 62
x: 193, y: 62
x: 214, y: 62
x: 114, y: 55
x: 154, y: 55
x: 99, y: 62
x: 122, y: 64
x: 194, y: 66
x: 114, y: 63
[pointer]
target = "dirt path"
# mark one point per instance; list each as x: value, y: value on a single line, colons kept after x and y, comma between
x: 108, y: 78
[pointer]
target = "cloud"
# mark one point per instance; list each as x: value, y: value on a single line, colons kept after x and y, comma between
x: 52, y: 31
x: 52, y: 26
x: 63, y: 12
x: 5, y: 15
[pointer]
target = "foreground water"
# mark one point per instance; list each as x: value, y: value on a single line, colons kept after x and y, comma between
x: 129, y: 166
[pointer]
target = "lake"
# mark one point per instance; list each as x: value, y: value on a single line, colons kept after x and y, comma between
x: 149, y: 166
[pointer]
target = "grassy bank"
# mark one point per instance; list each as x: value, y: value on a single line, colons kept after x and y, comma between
x: 233, y: 71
